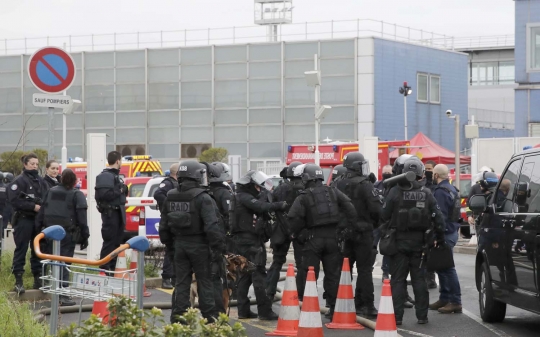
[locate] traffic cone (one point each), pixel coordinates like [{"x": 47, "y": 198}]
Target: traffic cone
[
  {"x": 310, "y": 324},
  {"x": 100, "y": 308},
  {"x": 344, "y": 311},
  {"x": 121, "y": 265},
  {"x": 289, "y": 313},
  {"x": 386, "y": 320},
  {"x": 133, "y": 266}
]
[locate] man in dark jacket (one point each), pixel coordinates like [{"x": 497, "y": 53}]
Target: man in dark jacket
[{"x": 446, "y": 196}]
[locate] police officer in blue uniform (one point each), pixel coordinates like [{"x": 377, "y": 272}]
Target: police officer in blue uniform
[
  {"x": 26, "y": 195},
  {"x": 110, "y": 196},
  {"x": 190, "y": 227},
  {"x": 318, "y": 210},
  {"x": 167, "y": 184},
  {"x": 411, "y": 211}
]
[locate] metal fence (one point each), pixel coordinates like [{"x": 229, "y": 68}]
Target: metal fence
[
  {"x": 493, "y": 118},
  {"x": 229, "y": 35}
]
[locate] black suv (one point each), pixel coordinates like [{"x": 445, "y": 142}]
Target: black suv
[{"x": 508, "y": 254}]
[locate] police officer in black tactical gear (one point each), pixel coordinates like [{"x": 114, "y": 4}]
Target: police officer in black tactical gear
[
  {"x": 8, "y": 209},
  {"x": 66, "y": 206},
  {"x": 250, "y": 232},
  {"x": 168, "y": 276},
  {"x": 365, "y": 198},
  {"x": 111, "y": 195},
  {"x": 26, "y": 196},
  {"x": 410, "y": 212},
  {"x": 281, "y": 237},
  {"x": 317, "y": 209},
  {"x": 337, "y": 173},
  {"x": 221, "y": 192},
  {"x": 190, "y": 227}
]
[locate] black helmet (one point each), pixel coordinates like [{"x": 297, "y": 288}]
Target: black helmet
[
  {"x": 355, "y": 161},
  {"x": 290, "y": 168},
  {"x": 191, "y": 169},
  {"x": 8, "y": 177},
  {"x": 257, "y": 178},
  {"x": 338, "y": 171},
  {"x": 489, "y": 180},
  {"x": 398, "y": 164},
  {"x": 414, "y": 164},
  {"x": 309, "y": 172},
  {"x": 217, "y": 175}
]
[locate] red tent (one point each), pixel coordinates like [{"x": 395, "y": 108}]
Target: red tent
[{"x": 426, "y": 149}]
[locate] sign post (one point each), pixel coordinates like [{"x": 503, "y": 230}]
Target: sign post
[{"x": 51, "y": 70}]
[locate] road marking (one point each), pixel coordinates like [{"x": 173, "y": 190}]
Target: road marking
[
  {"x": 168, "y": 291},
  {"x": 488, "y": 326},
  {"x": 414, "y": 333}
]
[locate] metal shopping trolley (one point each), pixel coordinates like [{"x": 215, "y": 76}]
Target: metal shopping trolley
[{"x": 60, "y": 279}]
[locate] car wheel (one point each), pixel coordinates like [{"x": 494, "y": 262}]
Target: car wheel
[{"x": 491, "y": 310}]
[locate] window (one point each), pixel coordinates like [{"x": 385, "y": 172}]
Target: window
[
  {"x": 511, "y": 174},
  {"x": 429, "y": 88},
  {"x": 422, "y": 93},
  {"x": 530, "y": 173},
  {"x": 434, "y": 89},
  {"x": 533, "y": 47},
  {"x": 492, "y": 73}
]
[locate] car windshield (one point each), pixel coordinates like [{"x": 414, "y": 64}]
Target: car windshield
[
  {"x": 464, "y": 187},
  {"x": 153, "y": 189},
  {"x": 136, "y": 190}
]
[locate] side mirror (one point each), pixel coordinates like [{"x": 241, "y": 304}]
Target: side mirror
[
  {"x": 478, "y": 203},
  {"x": 522, "y": 193}
]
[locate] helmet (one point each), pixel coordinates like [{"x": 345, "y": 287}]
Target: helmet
[
  {"x": 191, "y": 169},
  {"x": 489, "y": 180},
  {"x": 398, "y": 164},
  {"x": 8, "y": 177},
  {"x": 218, "y": 171},
  {"x": 415, "y": 165},
  {"x": 167, "y": 173},
  {"x": 355, "y": 161},
  {"x": 309, "y": 172},
  {"x": 290, "y": 169},
  {"x": 485, "y": 169},
  {"x": 226, "y": 175},
  {"x": 257, "y": 178},
  {"x": 338, "y": 171}
]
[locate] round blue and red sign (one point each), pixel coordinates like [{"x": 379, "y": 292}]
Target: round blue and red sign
[{"x": 51, "y": 70}]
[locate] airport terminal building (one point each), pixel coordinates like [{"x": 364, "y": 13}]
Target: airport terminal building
[{"x": 250, "y": 98}]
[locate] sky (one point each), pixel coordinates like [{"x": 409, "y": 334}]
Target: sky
[{"x": 37, "y": 18}]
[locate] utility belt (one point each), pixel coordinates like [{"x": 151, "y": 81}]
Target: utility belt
[
  {"x": 107, "y": 208},
  {"x": 198, "y": 238},
  {"x": 327, "y": 231}
]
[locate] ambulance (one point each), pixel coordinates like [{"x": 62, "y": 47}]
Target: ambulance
[{"x": 332, "y": 154}]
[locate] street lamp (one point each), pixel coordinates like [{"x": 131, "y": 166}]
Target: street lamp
[
  {"x": 68, "y": 110},
  {"x": 456, "y": 132},
  {"x": 405, "y": 90},
  {"x": 313, "y": 79}
]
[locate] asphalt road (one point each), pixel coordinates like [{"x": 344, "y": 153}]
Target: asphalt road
[{"x": 517, "y": 323}]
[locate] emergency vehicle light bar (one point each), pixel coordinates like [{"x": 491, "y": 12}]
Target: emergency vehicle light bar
[{"x": 143, "y": 157}]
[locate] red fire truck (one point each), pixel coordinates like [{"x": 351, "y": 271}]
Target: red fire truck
[{"x": 332, "y": 154}]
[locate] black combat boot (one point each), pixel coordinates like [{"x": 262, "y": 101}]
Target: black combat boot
[
  {"x": 19, "y": 287},
  {"x": 37, "y": 281},
  {"x": 166, "y": 284}
]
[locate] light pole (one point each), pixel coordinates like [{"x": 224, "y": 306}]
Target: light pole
[
  {"x": 456, "y": 135},
  {"x": 75, "y": 104},
  {"x": 405, "y": 90},
  {"x": 313, "y": 79}
]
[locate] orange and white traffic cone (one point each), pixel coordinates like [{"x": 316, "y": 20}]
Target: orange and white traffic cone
[
  {"x": 386, "y": 320},
  {"x": 100, "y": 308},
  {"x": 133, "y": 266},
  {"x": 310, "y": 324},
  {"x": 121, "y": 266},
  {"x": 344, "y": 311},
  {"x": 289, "y": 313}
]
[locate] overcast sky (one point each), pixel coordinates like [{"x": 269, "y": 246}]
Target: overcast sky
[{"x": 36, "y": 18}]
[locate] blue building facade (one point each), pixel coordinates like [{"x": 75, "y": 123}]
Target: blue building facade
[{"x": 527, "y": 54}]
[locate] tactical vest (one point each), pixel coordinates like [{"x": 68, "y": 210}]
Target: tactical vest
[
  {"x": 242, "y": 216},
  {"x": 107, "y": 179},
  {"x": 183, "y": 215},
  {"x": 323, "y": 208},
  {"x": 455, "y": 214},
  {"x": 60, "y": 207},
  {"x": 412, "y": 213},
  {"x": 352, "y": 190},
  {"x": 172, "y": 181},
  {"x": 3, "y": 194}
]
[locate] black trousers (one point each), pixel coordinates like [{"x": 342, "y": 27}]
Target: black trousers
[
  {"x": 217, "y": 282},
  {"x": 23, "y": 235},
  {"x": 363, "y": 255},
  {"x": 323, "y": 247},
  {"x": 112, "y": 232},
  {"x": 249, "y": 248},
  {"x": 279, "y": 253},
  {"x": 402, "y": 264},
  {"x": 193, "y": 257},
  {"x": 168, "y": 270}
]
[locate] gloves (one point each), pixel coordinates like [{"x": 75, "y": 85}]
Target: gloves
[
  {"x": 372, "y": 178},
  {"x": 84, "y": 245},
  {"x": 279, "y": 206}
]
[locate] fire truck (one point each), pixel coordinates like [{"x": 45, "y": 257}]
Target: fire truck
[
  {"x": 132, "y": 166},
  {"x": 332, "y": 154}
]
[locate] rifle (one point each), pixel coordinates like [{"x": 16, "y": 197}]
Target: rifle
[
  {"x": 36, "y": 200},
  {"x": 282, "y": 220}
]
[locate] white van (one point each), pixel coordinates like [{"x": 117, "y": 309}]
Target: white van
[{"x": 151, "y": 212}]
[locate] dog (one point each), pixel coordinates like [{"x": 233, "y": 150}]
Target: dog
[{"x": 237, "y": 265}]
